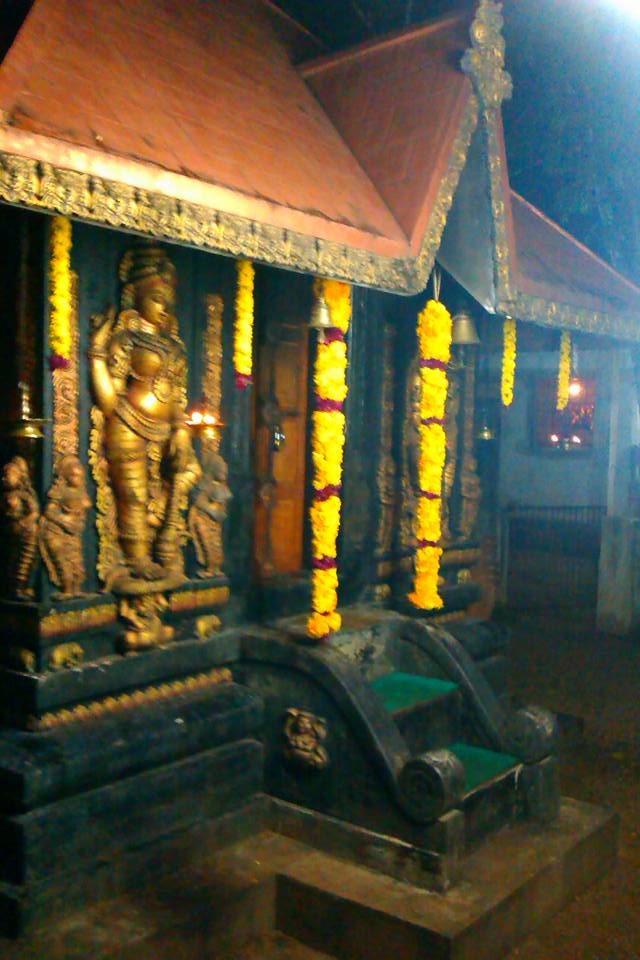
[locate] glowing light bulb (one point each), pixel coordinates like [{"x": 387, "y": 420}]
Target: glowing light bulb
[
  {"x": 554, "y": 438},
  {"x": 196, "y": 417},
  {"x": 575, "y": 439},
  {"x": 575, "y": 388}
]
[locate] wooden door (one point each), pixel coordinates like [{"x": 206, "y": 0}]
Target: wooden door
[{"x": 281, "y": 429}]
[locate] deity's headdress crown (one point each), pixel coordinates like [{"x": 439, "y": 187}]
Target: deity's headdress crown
[{"x": 146, "y": 265}]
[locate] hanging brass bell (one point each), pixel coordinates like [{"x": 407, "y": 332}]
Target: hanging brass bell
[
  {"x": 320, "y": 317},
  {"x": 464, "y": 332}
]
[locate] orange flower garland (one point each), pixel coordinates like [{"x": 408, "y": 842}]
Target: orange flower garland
[
  {"x": 60, "y": 293},
  {"x": 243, "y": 334},
  {"x": 564, "y": 371},
  {"x": 434, "y": 337},
  {"x": 508, "y": 360},
  {"x": 327, "y": 449}
]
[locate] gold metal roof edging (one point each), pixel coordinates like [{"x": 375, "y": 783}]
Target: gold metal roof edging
[
  {"x": 423, "y": 263},
  {"x": 42, "y": 185},
  {"x": 549, "y": 313}
]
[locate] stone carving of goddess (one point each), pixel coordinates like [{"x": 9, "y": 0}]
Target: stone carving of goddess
[
  {"x": 62, "y": 525},
  {"x": 207, "y": 514},
  {"x": 20, "y": 513}
]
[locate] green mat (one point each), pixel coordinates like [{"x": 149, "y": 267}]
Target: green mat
[
  {"x": 401, "y": 690},
  {"x": 481, "y": 765}
]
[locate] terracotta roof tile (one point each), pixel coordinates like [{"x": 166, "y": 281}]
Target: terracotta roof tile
[
  {"x": 398, "y": 103},
  {"x": 207, "y": 89},
  {"x": 552, "y": 264}
]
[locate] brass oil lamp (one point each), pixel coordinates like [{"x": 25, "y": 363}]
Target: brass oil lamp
[
  {"x": 204, "y": 422},
  {"x": 26, "y": 426}
]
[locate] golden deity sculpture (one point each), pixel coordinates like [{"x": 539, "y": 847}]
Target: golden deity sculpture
[
  {"x": 62, "y": 525},
  {"x": 144, "y": 461},
  {"x": 208, "y": 512},
  {"x": 20, "y": 513}
]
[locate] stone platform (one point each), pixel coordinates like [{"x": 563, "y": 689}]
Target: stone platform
[{"x": 269, "y": 896}]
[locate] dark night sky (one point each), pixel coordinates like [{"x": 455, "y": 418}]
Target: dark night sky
[{"x": 573, "y": 126}]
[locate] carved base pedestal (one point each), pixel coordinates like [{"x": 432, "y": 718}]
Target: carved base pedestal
[
  {"x": 92, "y": 806},
  {"x": 141, "y": 604}
]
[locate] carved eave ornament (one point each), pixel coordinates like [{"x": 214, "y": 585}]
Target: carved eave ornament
[{"x": 484, "y": 64}]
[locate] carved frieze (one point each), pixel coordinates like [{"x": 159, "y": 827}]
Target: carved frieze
[
  {"x": 43, "y": 185},
  {"x": 304, "y": 736},
  {"x": 386, "y": 475},
  {"x": 62, "y": 526},
  {"x": 20, "y": 516}
]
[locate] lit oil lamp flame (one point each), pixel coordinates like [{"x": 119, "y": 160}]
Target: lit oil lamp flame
[{"x": 204, "y": 422}]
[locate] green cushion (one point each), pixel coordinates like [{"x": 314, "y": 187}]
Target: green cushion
[
  {"x": 481, "y": 765},
  {"x": 401, "y": 690}
]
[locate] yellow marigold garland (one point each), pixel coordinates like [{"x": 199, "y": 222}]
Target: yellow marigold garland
[
  {"x": 434, "y": 337},
  {"x": 564, "y": 371},
  {"x": 509, "y": 336},
  {"x": 60, "y": 293},
  {"x": 330, "y": 383},
  {"x": 243, "y": 336}
]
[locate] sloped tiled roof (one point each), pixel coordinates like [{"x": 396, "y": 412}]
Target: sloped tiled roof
[
  {"x": 202, "y": 103},
  {"x": 514, "y": 260},
  {"x": 190, "y": 120},
  {"x": 206, "y": 93},
  {"x": 552, "y": 264},
  {"x": 398, "y": 102}
]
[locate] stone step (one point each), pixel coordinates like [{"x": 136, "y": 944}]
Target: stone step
[
  {"x": 271, "y": 898},
  {"x": 279, "y": 947},
  {"x": 510, "y": 884},
  {"x": 491, "y": 798},
  {"x": 426, "y": 710}
]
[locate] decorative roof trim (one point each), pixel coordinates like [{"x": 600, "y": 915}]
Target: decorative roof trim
[
  {"x": 548, "y": 313},
  {"x": 41, "y": 185}
]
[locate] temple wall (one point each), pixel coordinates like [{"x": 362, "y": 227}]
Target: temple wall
[
  {"x": 618, "y": 608},
  {"x": 530, "y": 477}
]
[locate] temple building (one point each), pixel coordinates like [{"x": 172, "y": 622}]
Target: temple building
[{"x": 250, "y": 516}]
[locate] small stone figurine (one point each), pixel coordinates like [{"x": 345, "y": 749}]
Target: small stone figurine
[
  {"x": 62, "y": 525},
  {"x": 207, "y": 513},
  {"x": 20, "y": 513}
]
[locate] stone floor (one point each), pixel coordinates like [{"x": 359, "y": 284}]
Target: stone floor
[{"x": 561, "y": 661}]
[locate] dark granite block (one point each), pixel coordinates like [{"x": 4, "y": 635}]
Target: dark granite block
[
  {"x": 31, "y": 695},
  {"x": 40, "y": 768},
  {"x": 100, "y": 824}
]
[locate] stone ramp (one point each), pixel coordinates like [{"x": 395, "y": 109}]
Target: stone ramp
[{"x": 274, "y": 898}]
